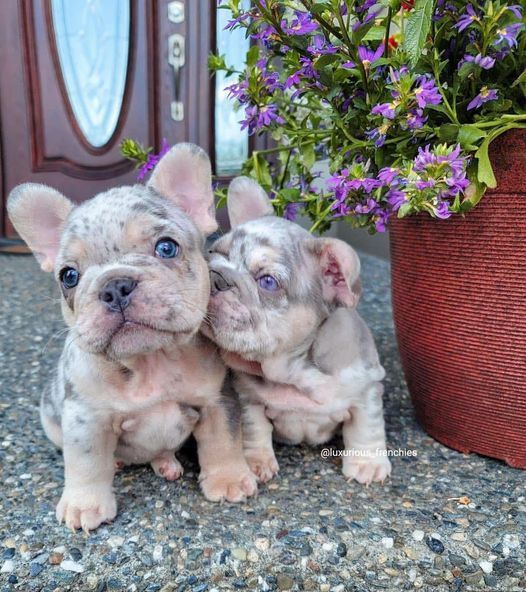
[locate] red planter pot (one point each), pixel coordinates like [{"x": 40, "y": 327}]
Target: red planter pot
[{"x": 459, "y": 304}]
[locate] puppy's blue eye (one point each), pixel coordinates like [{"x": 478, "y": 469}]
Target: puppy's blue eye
[
  {"x": 267, "y": 282},
  {"x": 69, "y": 277},
  {"x": 166, "y": 248}
]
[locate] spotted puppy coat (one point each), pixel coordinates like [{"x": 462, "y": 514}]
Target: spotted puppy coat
[
  {"x": 282, "y": 309},
  {"x": 136, "y": 377}
]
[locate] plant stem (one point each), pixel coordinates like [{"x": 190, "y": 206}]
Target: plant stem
[{"x": 321, "y": 218}]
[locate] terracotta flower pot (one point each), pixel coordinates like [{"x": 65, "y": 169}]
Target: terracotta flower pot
[{"x": 459, "y": 302}]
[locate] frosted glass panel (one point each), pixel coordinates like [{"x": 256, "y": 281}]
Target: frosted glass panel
[
  {"x": 93, "y": 38},
  {"x": 231, "y": 143}
]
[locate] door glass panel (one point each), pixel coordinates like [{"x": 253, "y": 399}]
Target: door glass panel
[
  {"x": 231, "y": 144},
  {"x": 93, "y": 38}
]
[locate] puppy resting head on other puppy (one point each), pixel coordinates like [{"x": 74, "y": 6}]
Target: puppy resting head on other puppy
[
  {"x": 273, "y": 283},
  {"x": 128, "y": 261}
]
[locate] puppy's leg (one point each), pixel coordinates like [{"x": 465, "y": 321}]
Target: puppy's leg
[
  {"x": 257, "y": 442},
  {"x": 225, "y": 474},
  {"x": 167, "y": 466},
  {"x": 89, "y": 445},
  {"x": 364, "y": 438},
  {"x": 301, "y": 373}
]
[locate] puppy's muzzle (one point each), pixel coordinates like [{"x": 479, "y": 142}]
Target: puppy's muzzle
[
  {"x": 218, "y": 283},
  {"x": 116, "y": 294}
]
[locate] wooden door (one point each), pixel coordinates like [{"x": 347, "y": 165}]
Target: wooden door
[{"x": 76, "y": 77}]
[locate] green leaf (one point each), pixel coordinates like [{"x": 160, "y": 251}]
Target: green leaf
[
  {"x": 521, "y": 78},
  {"x": 374, "y": 34},
  {"x": 417, "y": 29},
  {"x": 405, "y": 209},
  {"x": 468, "y": 136},
  {"x": 252, "y": 56},
  {"x": 308, "y": 156},
  {"x": 292, "y": 194},
  {"x": 448, "y": 132},
  {"x": 485, "y": 170}
]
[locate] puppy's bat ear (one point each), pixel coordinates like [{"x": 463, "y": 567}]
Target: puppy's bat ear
[
  {"x": 38, "y": 214},
  {"x": 246, "y": 201},
  {"x": 339, "y": 268},
  {"x": 184, "y": 176}
]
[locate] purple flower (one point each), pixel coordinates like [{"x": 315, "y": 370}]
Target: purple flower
[
  {"x": 291, "y": 211},
  {"x": 349, "y": 64},
  {"x": 416, "y": 119},
  {"x": 441, "y": 166},
  {"x": 395, "y": 75},
  {"x": 421, "y": 185},
  {"x": 265, "y": 34},
  {"x": 368, "y": 56},
  {"x": 377, "y": 135},
  {"x": 152, "y": 160},
  {"x": 467, "y": 19},
  {"x": 387, "y": 176},
  {"x": 302, "y": 24},
  {"x": 426, "y": 93},
  {"x": 485, "y": 62},
  {"x": 442, "y": 210},
  {"x": 340, "y": 208},
  {"x": 259, "y": 117},
  {"x": 484, "y": 96},
  {"x": 239, "y": 91},
  {"x": 381, "y": 220},
  {"x": 237, "y": 21},
  {"x": 365, "y": 5},
  {"x": 320, "y": 46},
  {"x": 371, "y": 14},
  {"x": 516, "y": 9},
  {"x": 508, "y": 34},
  {"x": 367, "y": 207},
  {"x": 386, "y": 110},
  {"x": 396, "y": 198}
]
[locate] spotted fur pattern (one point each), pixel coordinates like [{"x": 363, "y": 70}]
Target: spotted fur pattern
[{"x": 307, "y": 366}]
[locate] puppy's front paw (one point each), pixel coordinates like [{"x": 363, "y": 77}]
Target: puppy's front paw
[
  {"x": 366, "y": 470},
  {"x": 233, "y": 484},
  {"x": 167, "y": 466},
  {"x": 86, "y": 508},
  {"x": 262, "y": 463}
]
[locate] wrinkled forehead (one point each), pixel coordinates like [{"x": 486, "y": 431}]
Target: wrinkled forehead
[
  {"x": 267, "y": 240},
  {"x": 124, "y": 220}
]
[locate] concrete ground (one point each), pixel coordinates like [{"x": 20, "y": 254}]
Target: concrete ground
[{"x": 444, "y": 521}]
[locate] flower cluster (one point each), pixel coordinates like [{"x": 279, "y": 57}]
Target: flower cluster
[{"x": 402, "y": 102}]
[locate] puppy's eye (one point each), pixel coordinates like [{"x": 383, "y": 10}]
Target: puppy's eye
[
  {"x": 69, "y": 277},
  {"x": 166, "y": 248},
  {"x": 268, "y": 283}
]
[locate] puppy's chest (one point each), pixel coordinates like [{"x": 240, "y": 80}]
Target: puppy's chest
[{"x": 156, "y": 378}]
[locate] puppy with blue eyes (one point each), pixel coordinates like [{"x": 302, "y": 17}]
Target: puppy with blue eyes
[
  {"x": 136, "y": 377},
  {"x": 283, "y": 311}
]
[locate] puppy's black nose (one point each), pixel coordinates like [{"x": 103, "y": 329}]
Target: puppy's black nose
[
  {"x": 116, "y": 293},
  {"x": 218, "y": 283}
]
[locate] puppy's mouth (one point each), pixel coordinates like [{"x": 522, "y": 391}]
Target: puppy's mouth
[{"x": 131, "y": 336}]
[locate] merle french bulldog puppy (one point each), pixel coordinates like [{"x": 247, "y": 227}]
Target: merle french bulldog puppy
[
  {"x": 135, "y": 377},
  {"x": 282, "y": 309}
]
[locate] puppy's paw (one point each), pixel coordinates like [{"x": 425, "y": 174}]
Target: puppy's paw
[
  {"x": 262, "y": 463},
  {"x": 366, "y": 470},
  {"x": 86, "y": 508},
  {"x": 167, "y": 466},
  {"x": 233, "y": 484}
]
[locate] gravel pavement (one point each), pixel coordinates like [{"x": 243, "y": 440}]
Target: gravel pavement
[{"x": 444, "y": 521}]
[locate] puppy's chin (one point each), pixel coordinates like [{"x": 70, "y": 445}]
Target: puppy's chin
[
  {"x": 130, "y": 339},
  {"x": 133, "y": 339},
  {"x": 232, "y": 338}
]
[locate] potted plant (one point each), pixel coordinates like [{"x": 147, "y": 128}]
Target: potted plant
[{"x": 420, "y": 109}]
